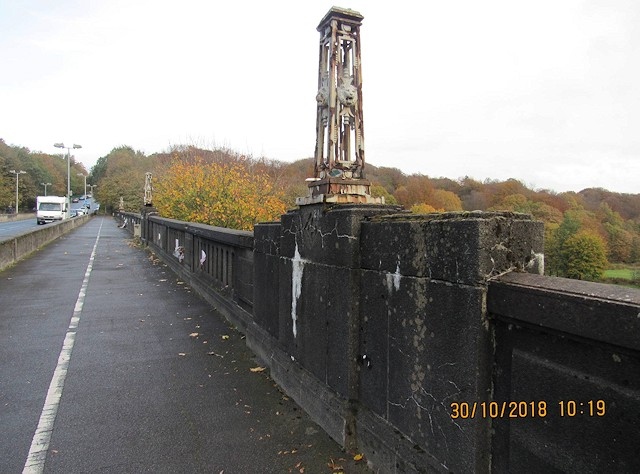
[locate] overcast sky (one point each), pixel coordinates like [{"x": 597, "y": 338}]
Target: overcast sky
[{"x": 547, "y": 92}]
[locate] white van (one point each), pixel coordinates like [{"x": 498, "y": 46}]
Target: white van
[{"x": 51, "y": 209}]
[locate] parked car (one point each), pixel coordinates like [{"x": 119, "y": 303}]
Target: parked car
[{"x": 75, "y": 200}]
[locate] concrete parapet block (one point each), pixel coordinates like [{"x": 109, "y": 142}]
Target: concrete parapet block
[
  {"x": 466, "y": 247},
  {"x": 328, "y": 235},
  {"x": 423, "y": 345},
  {"x": 267, "y": 238},
  {"x": 425, "y": 338},
  {"x": 311, "y": 262}
]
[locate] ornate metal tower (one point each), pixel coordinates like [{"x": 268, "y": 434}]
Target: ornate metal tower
[
  {"x": 339, "y": 155},
  {"x": 148, "y": 189}
]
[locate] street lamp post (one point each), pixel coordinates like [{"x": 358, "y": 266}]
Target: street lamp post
[
  {"x": 85, "y": 186},
  {"x": 45, "y": 187},
  {"x": 17, "y": 173},
  {"x": 91, "y": 186},
  {"x": 61, "y": 145}
]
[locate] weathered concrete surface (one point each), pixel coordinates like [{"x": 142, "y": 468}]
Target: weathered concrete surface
[
  {"x": 311, "y": 262},
  {"x": 463, "y": 248},
  {"x": 388, "y": 309},
  {"x": 574, "y": 346},
  {"x": 14, "y": 217},
  {"x": 425, "y": 337}
]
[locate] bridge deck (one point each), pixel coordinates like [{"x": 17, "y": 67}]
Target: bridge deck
[{"x": 151, "y": 378}]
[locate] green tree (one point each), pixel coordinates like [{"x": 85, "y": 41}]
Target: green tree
[
  {"x": 378, "y": 190},
  {"x": 586, "y": 256},
  {"x": 555, "y": 255},
  {"x": 121, "y": 173}
]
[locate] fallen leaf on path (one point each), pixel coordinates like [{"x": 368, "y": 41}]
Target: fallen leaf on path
[
  {"x": 258, "y": 369},
  {"x": 336, "y": 468},
  {"x": 358, "y": 457},
  {"x": 194, "y": 334},
  {"x": 182, "y": 354},
  {"x": 225, "y": 337}
]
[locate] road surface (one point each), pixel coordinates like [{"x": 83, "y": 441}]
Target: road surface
[{"x": 11, "y": 229}]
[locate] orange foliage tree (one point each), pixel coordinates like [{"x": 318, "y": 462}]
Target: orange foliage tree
[
  {"x": 446, "y": 200},
  {"x": 424, "y": 208},
  {"x": 226, "y": 195}
]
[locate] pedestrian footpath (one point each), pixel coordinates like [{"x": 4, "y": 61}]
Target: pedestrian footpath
[{"x": 109, "y": 363}]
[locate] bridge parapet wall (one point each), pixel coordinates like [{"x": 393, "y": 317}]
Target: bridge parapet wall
[
  {"x": 376, "y": 321},
  {"x": 216, "y": 262},
  {"x": 386, "y": 312},
  {"x": 17, "y": 248},
  {"x": 572, "y": 348}
]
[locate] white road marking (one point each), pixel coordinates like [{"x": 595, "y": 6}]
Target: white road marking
[{"x": 40, "y": 443}]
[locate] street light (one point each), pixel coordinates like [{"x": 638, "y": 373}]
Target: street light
[
  {"x": 17, "y": 173},
  {"x": 45, "y": 187},
  {"x": 61, "y": 145},
  {"x": 85, "y": 186}
]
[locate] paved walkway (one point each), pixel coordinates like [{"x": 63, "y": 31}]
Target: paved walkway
[{"x": 136, "y": 373}]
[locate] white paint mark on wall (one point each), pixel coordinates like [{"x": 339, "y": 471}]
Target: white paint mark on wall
[
  {"x": 296, "y": 286},
  {"x": 203, "y": 257},
  {"x": 536, "y": 264},
  {"x": 179, "y": 251},
  {"x": 393, "y": 279}
]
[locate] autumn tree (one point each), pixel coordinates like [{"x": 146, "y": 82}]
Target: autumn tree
[
  {"x": 224, "y": 195},
  {"x": 473, "y": 195},
  {"x": 424, "y": 208},
  {"x": 539, "y": 210},
  {"x": 390, "y": 178},
  {"x": 634, "y": 254},
  {"x": 499, "y": 190},
  {"x": 40, "y": 168},
  {"x": 418, "y": 189},
  {"x": 619, "y": 238},
  {"x": 446, "y": 200}
]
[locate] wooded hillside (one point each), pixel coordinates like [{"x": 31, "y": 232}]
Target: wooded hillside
[
  {"x": 40, "y": 168},
  {"x": 585, "y": 231}
]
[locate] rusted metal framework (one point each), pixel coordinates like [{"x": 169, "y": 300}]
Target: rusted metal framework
[
  {"x": 339, "y": 154},
  {"x": 148, "y": 190},
  {"x": 339, "y": 126}
]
